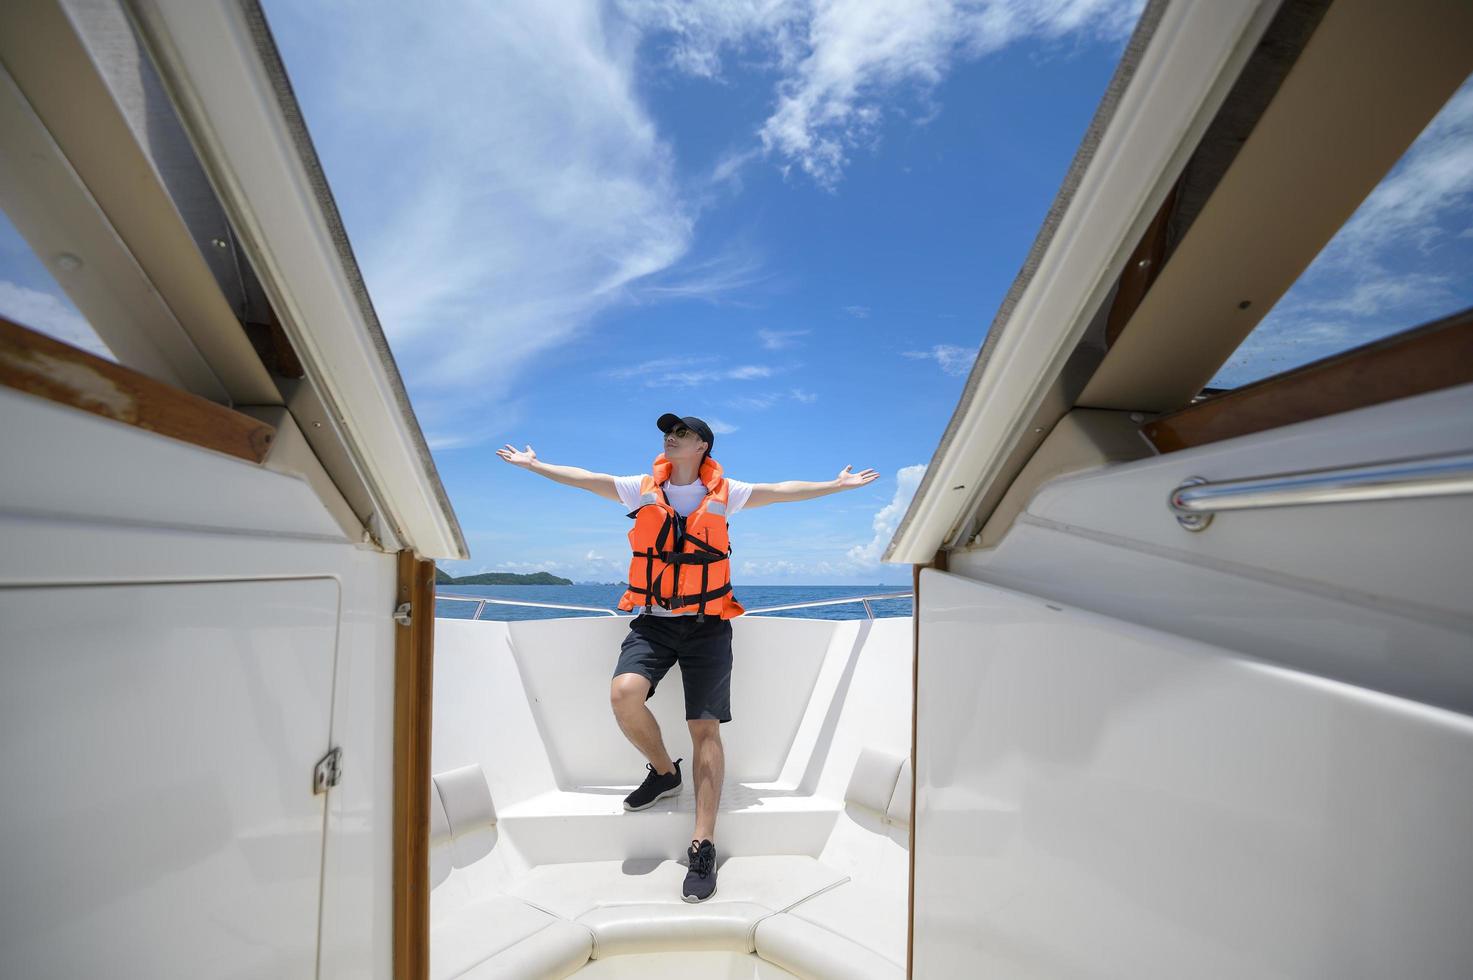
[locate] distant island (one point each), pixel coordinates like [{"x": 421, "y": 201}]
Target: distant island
[{"x": 501, "y": 578}]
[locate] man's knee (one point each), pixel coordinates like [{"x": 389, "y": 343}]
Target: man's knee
[
  {"x": 628, "y": 691},
  {"x": 705, "y": 730}
]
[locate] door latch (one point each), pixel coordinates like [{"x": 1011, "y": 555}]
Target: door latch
[{"x": 328, "y": 771}]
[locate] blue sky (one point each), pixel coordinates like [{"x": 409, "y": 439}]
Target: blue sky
[{"x": 792, "y": 218}]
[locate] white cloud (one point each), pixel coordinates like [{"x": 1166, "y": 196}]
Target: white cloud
[
  {"x": 839, "y": 60},
  {"x": 728, "y": 169},
  {"x": 660, "y": 364},
  {"x": 787, "y": 568},
  {"x": 690, "y": 379},
  {"x": 778, "y": 339},
  {"x": 699, "y": 30},
  {"x": 1397, "y": 263},
  {"x": 711, "y": 280},
  {"x": 1433, "y": 180},
  {"x": 755, "y": 403},
  {"x": 1372, "y": 296},
  {"x": 859, "y": 561},
  {"x": 498, "y": 175},
  {"x": 858, "y": 312},
  {"x": 887, "y": 518},
  {"x": 766, "y": 400},
  {"x": 687, "y": 372},
  {"x": 954, "y": 360},
  {"x": 50, "y": 314},
  {"x": 719, "y": 427}
]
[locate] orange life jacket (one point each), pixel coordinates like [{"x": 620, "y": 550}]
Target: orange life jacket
[{"x": 681, "y": 564}]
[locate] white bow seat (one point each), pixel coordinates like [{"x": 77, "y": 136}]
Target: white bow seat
[
  {"x": 503, "y": 937},
  {"x": 772, "y": 881},
  {"x": 814, "y": 953},
  {"x": 856, "y": 929},
  {"x": 793, "y": 910},
  {"x": 663, "y": 927}
]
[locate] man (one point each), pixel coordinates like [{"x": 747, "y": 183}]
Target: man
[{"x": 680, "y": 575}]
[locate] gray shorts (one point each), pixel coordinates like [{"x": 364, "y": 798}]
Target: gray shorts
[{"x": 703, "y": 650}]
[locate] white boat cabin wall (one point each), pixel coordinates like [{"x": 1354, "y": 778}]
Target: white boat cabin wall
[{"x": 1186, "y": 691}]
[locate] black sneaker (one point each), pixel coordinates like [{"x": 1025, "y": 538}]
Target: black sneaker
[
  {"x": 655, "y": 787},
  {"x": 700, "y": 880}
]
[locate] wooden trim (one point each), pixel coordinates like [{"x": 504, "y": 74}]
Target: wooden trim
[
  {"x": 939, "y": 563},
  {"x": 1437, "y": 355},
  {"x": 39, "y": 365},
  {"x": 413, "y": 684},
  {"x": 1141, "y": 269},
  {"x": 275, "y": 348}
]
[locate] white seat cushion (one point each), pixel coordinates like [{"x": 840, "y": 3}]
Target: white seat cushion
[
  {"x": 898, "y": 811},
  {"x": 815, "y": 953},
  {"x": 439, "y": 823},
  {"x": 771, "y": 881},
  {"x": 620, "y": 929},
  {"x": 873, "y": 781},
  {"x": 505, "y": 937},
  {"x": 558, "y": 951},
  {"x": 466, "y": 797},
  {"x": 863, "y": 914},
  {"x": 440, "y": 864}
]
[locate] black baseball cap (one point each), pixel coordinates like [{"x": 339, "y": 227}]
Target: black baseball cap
[{"x": 670, "y": 420}]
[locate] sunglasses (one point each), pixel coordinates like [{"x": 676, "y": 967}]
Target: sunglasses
[{"x": 680, "y": 432}]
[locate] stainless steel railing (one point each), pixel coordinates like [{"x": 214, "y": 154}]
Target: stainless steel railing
[
  {"x": 1196, "y": 500},
  {"x": 481, "y": 602},
  {"x": 866, "y": 599}
]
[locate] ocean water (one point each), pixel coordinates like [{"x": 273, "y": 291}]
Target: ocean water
[{"x": 752, "y": 597}]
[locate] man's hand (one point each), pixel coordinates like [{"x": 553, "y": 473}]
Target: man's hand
[
  {"x": 517, "y": 457},
  {"x": 574, "y": 476},
  {"x": 794, "y": 490},
  {"x": 846, "y": 480}
]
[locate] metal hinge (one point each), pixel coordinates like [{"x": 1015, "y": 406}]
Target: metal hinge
[
  {"x": 404, "y": 614},
  {"x": 328, "y": 771}
]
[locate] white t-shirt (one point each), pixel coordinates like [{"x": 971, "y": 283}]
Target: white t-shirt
[{"x": 685, "y": 499}]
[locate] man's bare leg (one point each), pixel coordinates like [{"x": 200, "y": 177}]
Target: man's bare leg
[
  {"x": 627, "y": 694},
  {"x": 710, "y": 771}
]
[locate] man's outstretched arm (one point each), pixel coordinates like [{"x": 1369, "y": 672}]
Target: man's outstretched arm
[
  {"x": 791, "y": 490},
  {"x": 574, "y": 476}
]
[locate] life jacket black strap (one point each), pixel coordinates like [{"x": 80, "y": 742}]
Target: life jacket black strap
[
  {"x": 703, "y": 546},
  {"x": 683, "y": 600},
  {"x": 701, "y": 611},
  {"x": 686, "y": 558}
]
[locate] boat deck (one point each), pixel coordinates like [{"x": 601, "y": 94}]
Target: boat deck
[{"x": 538, "y": 872}]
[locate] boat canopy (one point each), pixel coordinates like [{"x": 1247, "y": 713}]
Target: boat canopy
[
  {"x": 1229, "y": 148},
  {"x": 169, "y": 151}
]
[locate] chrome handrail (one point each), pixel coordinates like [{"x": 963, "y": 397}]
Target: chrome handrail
[
  {"x": 1196, "y": 500},
  {"x": 482, "y": 600},
  {"x": 869, "y": 612}
]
